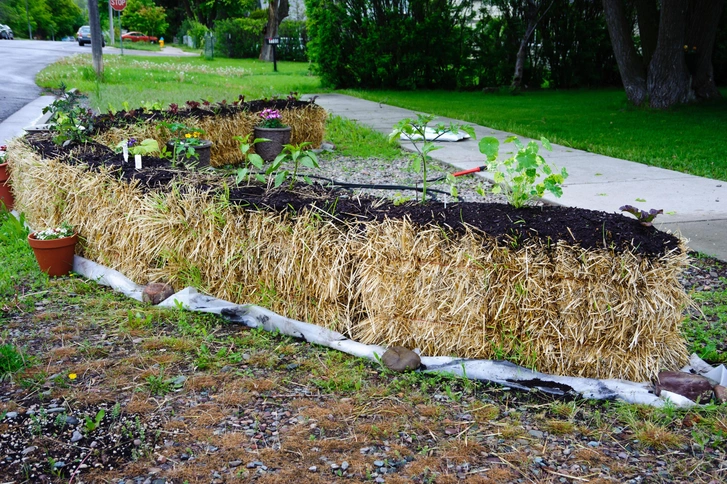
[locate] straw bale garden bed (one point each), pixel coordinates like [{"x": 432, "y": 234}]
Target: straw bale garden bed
[{"x": 562, "y": 290}]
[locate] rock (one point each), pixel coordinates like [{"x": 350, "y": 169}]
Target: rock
[
  {"x": 345, "y": 465},
  {"x": 379, "y": 463},
  {"x": 312, "y": 468},
  {"x": 720, "y": 393},
  {"x": 156, "y": 292},
  {"x": 400, "y": 359},
  {"x": 694, "y": 387},
  {"x": 235, "y": 463},
  {"x": 536, "y": 433},
  {"x": 11, "y": 415},
  {"x": 76, "y": 436}
]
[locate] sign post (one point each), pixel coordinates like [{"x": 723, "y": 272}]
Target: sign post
[
  {"x": 117, "y": 5},
  {"x": 274, "y": 41}
]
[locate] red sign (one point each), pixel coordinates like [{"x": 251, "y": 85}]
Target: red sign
[{"x": 118, "y": 5}]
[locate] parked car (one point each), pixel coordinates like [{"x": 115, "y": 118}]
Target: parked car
[
  {"x": 139, "y": 37},
  {"x": 6, "y": 32},
  {"x": 84, "y": 36}
]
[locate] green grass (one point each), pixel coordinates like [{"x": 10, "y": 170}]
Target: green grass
[
  {"x": 133, "y": 79},
  {"x": 352, "y": 139},
  {"x": 706, "y": 333},
  {"x": 689, "y": 139},
  {"x": 19, "y": 271},
  {"x": 139, "y": 46}
]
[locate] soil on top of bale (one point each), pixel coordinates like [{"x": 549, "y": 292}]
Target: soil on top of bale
[
  {"x": 193, "y": 109},
  {"x": 587, "y": 228}
]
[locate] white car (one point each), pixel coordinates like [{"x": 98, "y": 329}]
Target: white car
[{"x": 6, "y": 32}]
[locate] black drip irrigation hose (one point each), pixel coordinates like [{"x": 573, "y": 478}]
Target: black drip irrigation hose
[{"x": 371, "y": 186}]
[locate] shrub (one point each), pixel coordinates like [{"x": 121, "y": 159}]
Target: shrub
[
  {"x": 293, "y": 41},
  {"x": 240, "y": 37},
  {"x": 404, "y": 44}
]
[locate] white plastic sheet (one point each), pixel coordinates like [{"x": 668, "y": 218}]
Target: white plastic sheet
[{"x": 501, "y": 372}]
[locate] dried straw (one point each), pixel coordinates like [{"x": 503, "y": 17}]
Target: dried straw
[{"x": 560, "y": 309}]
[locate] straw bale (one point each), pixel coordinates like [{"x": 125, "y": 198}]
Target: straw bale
[
  {"x": 307, "y": 124},
  {"x": 564, "y": 310},
  {"x": 560, "y": 308}
]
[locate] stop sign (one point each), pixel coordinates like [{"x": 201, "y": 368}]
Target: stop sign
[{"x": 118, "y": 4}]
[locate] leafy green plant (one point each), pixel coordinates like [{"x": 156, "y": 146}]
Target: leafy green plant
[
  {"x": 294, "y": 154},
  {"x": 144, "y": 147},
  {"x": 93, "y": 424},
  {"x": 250, "y": 159},
  {"x": 645, "y": 218},
  {"x": 518, "y": 177},
  {"x": 415, "y": 130},
  {"x": 69, "y": 120}
]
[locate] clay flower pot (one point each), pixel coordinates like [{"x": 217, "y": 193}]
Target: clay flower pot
[
  {"x": 6, "y": 196},
  {"x": 55, "y": 257},
  {"x": 278, "y": 137}
]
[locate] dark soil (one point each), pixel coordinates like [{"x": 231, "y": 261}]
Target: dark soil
[{"x": 550, "y": 224}]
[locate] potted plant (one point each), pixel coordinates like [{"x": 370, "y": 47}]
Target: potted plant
[
  {"x": 273, "y": 132},
  {"x": 187, "y": 144},
  {"x": 6, "y": 196},
  {"x": 54, "y": 249}
]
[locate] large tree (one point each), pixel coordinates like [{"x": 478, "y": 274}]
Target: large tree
[
  {"x": 677, "y": 38},
  {"x": 277, "y": 11}
]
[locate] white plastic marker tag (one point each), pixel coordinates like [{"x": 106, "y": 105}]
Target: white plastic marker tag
[
  {"x": 125, "y": 150},
  {"x": 137, "y": 159}
]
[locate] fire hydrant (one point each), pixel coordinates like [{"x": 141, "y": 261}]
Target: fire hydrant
[{"x": 161, "y": 43}]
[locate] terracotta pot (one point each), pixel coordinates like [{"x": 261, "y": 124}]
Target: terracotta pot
[
  {"x": 55, "y": 257},
  {"x": 203, "y": 151},
  {"x": 6, "y": 196},
  {"x": 278, "y": 137}
]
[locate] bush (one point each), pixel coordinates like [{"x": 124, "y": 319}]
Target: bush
[
  {"x": 240, "y": 37},
  {"x": 194, "y": 29},
  {"x": 293, "y": 41},
  {"x": 402, "y": 44}
]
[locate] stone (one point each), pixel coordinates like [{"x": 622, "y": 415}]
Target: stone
[
  {"x": 694, "y": 387},
  {"x": 720, "y": 393},
  {"x": 156, "y": 292},
  {"x": 76, "y": 436},
  {"x": 398, "y": 358}
]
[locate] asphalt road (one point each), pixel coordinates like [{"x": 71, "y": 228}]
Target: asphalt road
[{"x": 20, "y": 62}]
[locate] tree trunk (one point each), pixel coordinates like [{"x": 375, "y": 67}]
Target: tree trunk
[
  {"x": 648, "y": 19},
  {"x": 277, "y": 11},
  {"x": 531, "y": 15},
  {"x": 702, "y": 23},
  {"x": 633, "y": 73},
  {"x": 668, "y": 81}
]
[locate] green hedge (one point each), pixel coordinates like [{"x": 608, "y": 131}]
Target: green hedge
[
  {"x": 403, "y": 44},
  {"x": 240, "y": 37}
]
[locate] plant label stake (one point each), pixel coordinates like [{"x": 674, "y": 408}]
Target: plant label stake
[
  {"x": 137, "y": 160},
  {"x": 125, "y": 150}
]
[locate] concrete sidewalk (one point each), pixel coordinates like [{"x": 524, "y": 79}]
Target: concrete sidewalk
[{"x": 693, "y": 206}]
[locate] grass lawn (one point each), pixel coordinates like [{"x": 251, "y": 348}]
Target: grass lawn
[
  {"x": 135, "y": 80},
  {"x": 690, "y": 139}
]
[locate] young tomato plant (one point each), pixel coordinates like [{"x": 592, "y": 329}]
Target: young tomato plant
[
  {"x": 251, "y": 159},
  {"x": 518, "y": 177},
  {"x": 415, "y": 130},
  {"x": 298, "y": 156}
]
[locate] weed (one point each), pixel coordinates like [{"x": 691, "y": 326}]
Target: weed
[{"x": 11, "y": 360}]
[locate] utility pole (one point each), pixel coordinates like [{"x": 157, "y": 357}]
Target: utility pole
[
  {"x": 96, "y": 38},
  {"x": 111, "y": 23},
  {"x": 27, "y": 17}
]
